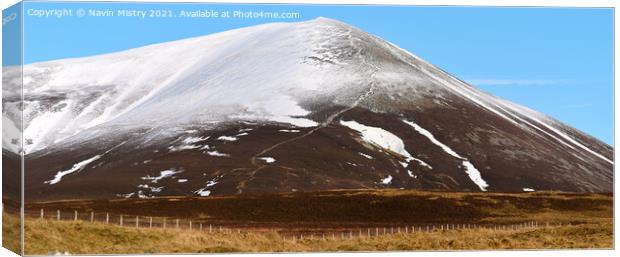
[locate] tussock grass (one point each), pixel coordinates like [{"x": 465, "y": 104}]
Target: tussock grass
[
  {"x": 11, "y": 236},
  {"x": 49, "y": 237}
]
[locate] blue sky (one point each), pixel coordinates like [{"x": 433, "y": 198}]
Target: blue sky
[{"x": 555, "y": 60}]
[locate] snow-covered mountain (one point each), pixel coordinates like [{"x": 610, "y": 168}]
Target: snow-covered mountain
[{"x": 277, "y": 107}]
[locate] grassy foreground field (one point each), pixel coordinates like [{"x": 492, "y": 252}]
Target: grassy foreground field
[{"x": 265, "y": 223}]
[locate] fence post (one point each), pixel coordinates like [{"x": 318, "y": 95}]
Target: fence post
[
  {"x": 210, "y": 228},
  {"x": 107, "y": 217},
  {"x": 164, "y": 222},
  {"x": 177, "y": 223},
  {"x": 376, "y": 231},
  {"x": 150, "y": 222},
  {"x": 121, "y": 221},
  {"x": 92, "y": 217},
  {"x": 137, "y": 221},
  {"x": 190, "y": 225},
  {"x": 200, "y": 226},
  {"x": 42, "y": 213},
  {"x": 391, "y": 230},
  {"x": 58, "y": 214},
  {"x": 368, "y": 232}
]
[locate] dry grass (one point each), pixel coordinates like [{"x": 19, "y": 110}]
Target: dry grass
[
  {"x": 11, "y": 236},
  {"x": 49, "y": 237}
]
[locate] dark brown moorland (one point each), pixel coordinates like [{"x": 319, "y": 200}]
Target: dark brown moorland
[{"x": 355, "y": 207}]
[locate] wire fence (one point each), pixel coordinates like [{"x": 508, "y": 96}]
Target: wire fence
[{"x": 146, "y": 222}]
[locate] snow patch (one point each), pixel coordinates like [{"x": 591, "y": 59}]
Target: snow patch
[
  {"x": 156, "y": 189},
  {"x": 187, "y": 144},
  {"x": 213, "y": 182},
  {"x": 527, "y": 189},
  {"x": 421, "y": 162},
  {"x": 411, "y": 174},
  {"x": 193, "y": 140},
  {"x": 182, "y": 180},
  {"x": 387, "y": 180},
  {"x": 179, "y": 148},
  {"x": 378, "y": 137},
  {"x": 202, "y": 192},
  {"x": 470, "y": 169},
  {"x": 217, "y": 154},
  {"x": 267, "y": 159},
  {"x": 383, "y": 139},
  {"x": 76, "y": 167},
  {"x": 289, "y": 130},
  {"x": 210, "y": 183},
  {"x": 129, "y": 195},
  {"x": 404, "y": 164},
  {"x": 227, "y": 138},
  {"x": 162, "y": 175},
  {"x": 366, "y": 156}
]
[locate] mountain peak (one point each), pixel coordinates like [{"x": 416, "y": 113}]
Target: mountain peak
[{"x": 307, "y": 103}]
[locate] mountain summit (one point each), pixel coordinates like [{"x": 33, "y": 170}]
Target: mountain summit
[{"x": 306, "y": 106}]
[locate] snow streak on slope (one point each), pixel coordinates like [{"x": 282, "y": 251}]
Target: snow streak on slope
[
  {"x": 472, "y": 172},
  {"x": 162, "y": 175},
  {"x": 80, "y": 165},
  {"x": 76, "y": 167}
]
